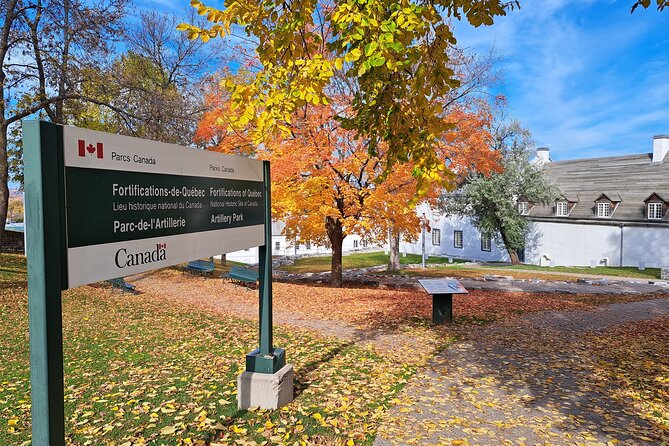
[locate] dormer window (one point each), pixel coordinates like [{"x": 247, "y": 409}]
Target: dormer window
[
  {"x": 607, "y": 204},
  {"x": 655, "y": 211},
  {"x": 604, "y": 209},
  {"x": 561, "y": 209},
  {"x": 523, "y": 207},
  {"x": 565, "y": 204},
  {"x": 656, "y": 207}
]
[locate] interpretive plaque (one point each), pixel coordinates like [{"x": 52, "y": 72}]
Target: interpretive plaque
[
  {"x": 442, "y": 286},
  {"x": 442, "y": 291}
]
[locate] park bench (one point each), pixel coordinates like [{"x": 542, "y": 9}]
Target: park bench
[
  {"x": 121, "y": 284},
  {"x": 240, "y": 274},
  {"x": 202, "y": 267}
]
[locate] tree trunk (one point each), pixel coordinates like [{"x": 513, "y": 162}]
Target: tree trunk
[
  {"x": 4, "y": 182},
  {"x": 513, "y": 253},
  {"x": 336, "y": 236},
  {"x": 223, "y": 260},
  {"x": 64, "y": 62},
  {"x": 394, "y": 249},
  {"x": 8, "y": 19}
]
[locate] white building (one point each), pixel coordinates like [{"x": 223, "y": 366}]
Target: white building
[
  {"x": 453, "y": 237},
  {"x": 282, "y": 246},
  {"x": 613, "y": 211}
]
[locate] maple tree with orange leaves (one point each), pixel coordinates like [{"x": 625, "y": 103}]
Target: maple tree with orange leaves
[{"x": 327, "y": 184}]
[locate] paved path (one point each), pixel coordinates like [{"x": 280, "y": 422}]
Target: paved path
[
  {"x": 531, "y": 381},
  {"x": 565, "y": 287}
]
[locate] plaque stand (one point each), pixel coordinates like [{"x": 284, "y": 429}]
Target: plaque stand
[
  {"x": 442, "y": 308},
  {"x": 442, "y": 291}
]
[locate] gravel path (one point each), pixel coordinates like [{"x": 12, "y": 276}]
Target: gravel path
[
  {"x": 533, "y": 380},
  {"x": 367, "y": 277}
]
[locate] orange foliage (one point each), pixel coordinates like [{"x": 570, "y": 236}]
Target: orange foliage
[
  {"x": 324, "y": 171},
  {"x": 214, "y": 131},
  {"x": 326, "y": 184}
]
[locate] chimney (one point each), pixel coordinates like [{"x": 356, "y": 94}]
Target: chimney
[
  {"x": 660, "y": 147},
  {"x": 543, "y": 156}
]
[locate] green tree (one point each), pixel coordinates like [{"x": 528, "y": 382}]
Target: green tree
[
  {"x": 395, "y": 54},
  {"x": 491, "y": 202}
]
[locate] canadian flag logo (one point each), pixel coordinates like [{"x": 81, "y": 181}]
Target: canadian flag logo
[
  {"x": 161, "y": 246},
  {"x": 90, "y": 149}
]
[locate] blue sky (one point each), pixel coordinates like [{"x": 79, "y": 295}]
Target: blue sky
[{"x": 586, "y": 77}]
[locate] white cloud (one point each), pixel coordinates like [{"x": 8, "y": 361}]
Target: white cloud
[{"x": 588, "y": 80}]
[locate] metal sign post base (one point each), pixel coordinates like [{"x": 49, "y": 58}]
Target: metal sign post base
[{"x": 272, "y": 363}]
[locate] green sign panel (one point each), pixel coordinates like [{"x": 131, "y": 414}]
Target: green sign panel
[{"x": 106, "y": 206}]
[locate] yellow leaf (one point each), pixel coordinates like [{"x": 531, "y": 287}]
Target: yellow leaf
[
  {"x": 238, "y": 430},
  {"x": 353, "y": 55},
  {"x": 168, "y": 430}
]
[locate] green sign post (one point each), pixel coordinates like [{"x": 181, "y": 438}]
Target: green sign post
[
  {"x": 266, "y": 359},
  {"x": 100, "y": 206},
  {"x": 45, "y": 240}
]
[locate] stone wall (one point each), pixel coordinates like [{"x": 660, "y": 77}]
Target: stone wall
[{"x": 13, "y": 242}]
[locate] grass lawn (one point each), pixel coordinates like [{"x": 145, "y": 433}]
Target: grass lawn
[
  {"x": 365, "y": 260},
  {"x": 139, "y": 371},
  {"x": 531, "y": 272},
  {"x": 12, "y": 268},
  {"x": 362, "y": 260}
]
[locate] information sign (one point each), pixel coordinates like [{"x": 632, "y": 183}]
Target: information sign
[
  {"x": 442, "y": 291},
  {"x": 101, "y": 206},
  {"x": 134, "y": 205}
]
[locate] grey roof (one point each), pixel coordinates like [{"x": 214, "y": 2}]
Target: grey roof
[{"x": 629, "y": 178}]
